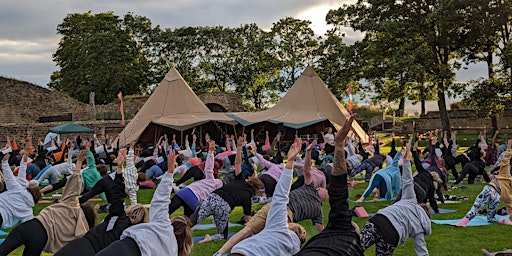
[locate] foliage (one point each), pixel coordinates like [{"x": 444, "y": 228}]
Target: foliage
[{"x": 96, "y": 54}]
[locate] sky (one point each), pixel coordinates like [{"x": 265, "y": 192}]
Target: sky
[{"x": 28, "y": 35}]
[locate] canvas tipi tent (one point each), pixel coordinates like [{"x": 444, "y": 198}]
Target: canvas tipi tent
[
  {"x": 172, "y": 104},
  {"x": 308, "y": 102}
]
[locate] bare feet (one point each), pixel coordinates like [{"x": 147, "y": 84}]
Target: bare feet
[{"x": 207, "y": 238}]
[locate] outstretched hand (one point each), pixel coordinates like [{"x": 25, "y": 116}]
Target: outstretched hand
[
  {"x": 294, "y": 149},
  {"x": 171, "y": 161},
  {"x": 342, "y": 133},
  {"x": 311, "y": 145}
]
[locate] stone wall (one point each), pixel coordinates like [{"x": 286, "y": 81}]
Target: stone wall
[
  {"x": 231, "y": 102},
  {"x": 39, "y": 130},
  {"x": 466, "y": 120}
]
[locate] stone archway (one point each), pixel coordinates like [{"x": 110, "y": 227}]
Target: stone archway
[{"x": 214, "y": 107}]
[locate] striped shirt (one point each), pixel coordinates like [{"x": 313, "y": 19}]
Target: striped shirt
[
  {"x": 305, "y": 203},
  {"x": 130, "y": 172}
]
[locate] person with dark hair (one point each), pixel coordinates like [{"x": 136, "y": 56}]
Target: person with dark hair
[
  {"x": 392, "y": 225},
  {"x": 278, "y": 237},
  {"x": 16, "y": 203},
  {"x": 114, "y": 224},
  {"x": 57, "y": 224},
  {"x": 425, "y": 181},
  {"x": 192, "y": 195},
  {"x": 161, "y": 235},
  {"x": 222, "y": 201},
  {"x": 339, "y": 237}
]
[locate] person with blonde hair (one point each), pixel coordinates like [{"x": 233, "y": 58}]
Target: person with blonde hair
[
  {"x": 57, "y": 224},
  {"x": 161, "y": 235},
  {"x": 114, "y": 224}
]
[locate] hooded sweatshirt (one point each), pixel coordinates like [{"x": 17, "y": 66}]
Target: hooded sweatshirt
[
  {"x": 505, "y": 181},
  {"x": 16, "y": 203},
  {"x": 391, "y": 176},
  {"x": 408, "y": 218},
  {"x": 276, "y": 238}
]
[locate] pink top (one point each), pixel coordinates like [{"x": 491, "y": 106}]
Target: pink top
[
  {"x": 202, "y": 188},
  {"x": 273, "y": 170}
]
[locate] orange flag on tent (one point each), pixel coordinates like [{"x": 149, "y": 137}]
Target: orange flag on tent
[{"x": 121, "y": 107}]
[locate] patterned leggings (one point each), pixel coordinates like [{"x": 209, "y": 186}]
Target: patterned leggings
[
  {"x": 490, "y": 197},
  {"x": 219, "y": 209},
  {"x": 365, "y": 166},
  {"x": 370, "y": 235}
]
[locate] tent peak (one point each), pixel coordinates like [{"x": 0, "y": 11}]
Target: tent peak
[
  {"x": 173, "y": 75},
  {"x": 309, "y": 72}
]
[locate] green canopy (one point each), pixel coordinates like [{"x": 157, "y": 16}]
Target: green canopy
[{"x": 71, "y": 128}]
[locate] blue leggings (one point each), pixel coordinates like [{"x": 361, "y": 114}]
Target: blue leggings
[
  {"x": 490, "y": 197},
  {"x": 379, "y": 183}
]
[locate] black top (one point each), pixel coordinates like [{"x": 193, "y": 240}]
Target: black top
[
  {"x": 385, "y": 229},
  {"x": 425, "y": 180},
  {"x": 237, "y": 193},
  {"x": 115, "y": 223},
  {"x": 339, "y": 236}
]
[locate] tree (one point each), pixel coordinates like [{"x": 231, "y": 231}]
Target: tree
[
  {"x": 430, "y": 26},
  {"x": 96, "y": 54},
  {"x": 257, "y": 73},
  {"x": 295, "y": 44}
]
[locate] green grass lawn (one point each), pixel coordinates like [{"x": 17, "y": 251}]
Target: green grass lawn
[{"x": 445, "y": 239}]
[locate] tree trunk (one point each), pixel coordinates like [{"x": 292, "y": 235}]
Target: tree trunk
[
  {"x": 443, "y": 113},
  {"x": 423, "y": 107},
  {"x": 494, "y": 123},
  {"x": 401, "y": 107}
]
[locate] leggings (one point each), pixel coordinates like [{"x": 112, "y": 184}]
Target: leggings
[
  {"x": 193, "y": 172},
  {"x": 31, "y": 233},
  {"x": 78, "y": 247},
  {"x": 215, "y": 206},
  {"x": 490, "y": 197},
  {"x": 367, "y": 166},
  {"x": 176, "y": 203},
  {"x": 125, "y": 247},
  {"x": 370, "y": 235}
]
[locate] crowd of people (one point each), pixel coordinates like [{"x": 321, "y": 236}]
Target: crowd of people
[{"x": 292, "y": 179}]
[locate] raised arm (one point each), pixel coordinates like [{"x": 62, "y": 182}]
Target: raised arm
[
  {"x": 277, "y": 214},
  {"x": 407, "y": 180},
  {"x": 505, "y": 162},
  {"x": 351, "y": 150},
  {"x": 130, "y": 164},
  {"x": 73, "y": 186},
  {"x": 238, "y": 158},
  {"x": 307, "y": 164},
  {"x": 210, "y": 161},
  {"x": 264, "y": 161},
  {"x": 10, "y": 180},
  {"x": 159, "y": 209},
  {"x": 22, "y": 173}
]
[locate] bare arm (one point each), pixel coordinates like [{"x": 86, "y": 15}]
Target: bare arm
[
  {"x": 238, "y": 158},
  {"x": 339, "y": 166},
  {"x": 307, "y": 164}
]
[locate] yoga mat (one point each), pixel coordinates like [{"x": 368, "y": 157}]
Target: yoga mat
[
  {"x": 212, "y": 225},
  {"x": 45, "y": 201},
  {"x": 477, "y": 221},
  {"x": 3, "y": 233},
  {"x": 199, "y": 238}
]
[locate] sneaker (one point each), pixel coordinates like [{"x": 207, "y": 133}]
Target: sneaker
[
  {"x": 267, "y": 200},
  {"x": 257, "y": 200},
  {"x": 175, "y": 188}
]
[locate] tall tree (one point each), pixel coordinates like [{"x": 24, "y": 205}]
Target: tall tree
[
  {"x": 432, "y": 26},
  {"x": 96, "y": 55},
  {"x": 258, "y": 72},
  {"x": 295, "y": 44}
]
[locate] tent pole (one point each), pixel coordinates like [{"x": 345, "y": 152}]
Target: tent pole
[
  {"x": 181, "y": 140},
  {"x": 156, "y": 135}
]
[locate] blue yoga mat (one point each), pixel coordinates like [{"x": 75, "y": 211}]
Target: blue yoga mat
[
  {"x": 3, "y": 233},
  {"x": 212, "y": 225},
  {"x": 370, "y": 201},
  {"x": 477, "y": 221},
  {"x": 199, "y": 238}
]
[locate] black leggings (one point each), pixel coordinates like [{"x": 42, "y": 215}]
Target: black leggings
[
  {"x": 78, "y": 247},
  {"x": 269, "y": 183},
  {"x": 32, "y": 234},
  {"x": 193, "y": 172},
  {"x": 176, "y": 203},
  {"x": 125, "y": 247}
]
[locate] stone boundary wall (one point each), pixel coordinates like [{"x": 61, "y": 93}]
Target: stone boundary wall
[
  {"x": 39, "y": 130},
  {"x": 465, "y": 120}
]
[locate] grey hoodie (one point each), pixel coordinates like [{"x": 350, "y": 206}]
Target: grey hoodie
[{"x": 408, "y": 218}]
